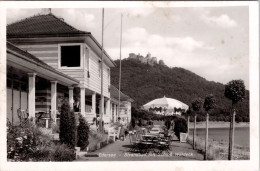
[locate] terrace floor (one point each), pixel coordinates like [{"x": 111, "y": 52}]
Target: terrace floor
[{"x": 119, "y": 151}]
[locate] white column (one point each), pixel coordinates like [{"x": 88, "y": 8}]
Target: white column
[
  {"x": 31, "y": 96},
  {"x": 115, "y": 118},
  {"x": 82, "y": 101},
  {"x": 108, "y": 108},
  {"x": 101, "y": 108},
  {"x": 94, "y": 104},
  {"x": 53, "y": 99},
  {"x": 111, "y": 106},
  {"x": 100, "y": 102},
  {"x": 71, "y": 101}
]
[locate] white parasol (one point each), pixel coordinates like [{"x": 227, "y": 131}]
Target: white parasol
[{"x": 167, "y": 104}]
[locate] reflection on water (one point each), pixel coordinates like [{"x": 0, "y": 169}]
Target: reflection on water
[{"x": 222, "y": 134}]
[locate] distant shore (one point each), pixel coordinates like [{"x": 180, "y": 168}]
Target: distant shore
[{"x": 220, "y": 124}]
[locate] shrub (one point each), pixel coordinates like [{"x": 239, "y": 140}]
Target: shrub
[
  {"x": 22, "y": 141},
  {"x": 180, "y": 125},
  {"x": 83, "y": 132},
  {"x": 25, "y": 143},
  {"x": 67, "y": 125},
  {"x": 55, "y": 128},
  {"x": 28, "y": 143},
  {"x": 63, "y": 153}
]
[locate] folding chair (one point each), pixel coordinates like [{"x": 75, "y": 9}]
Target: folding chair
[{"x": 134, "y": 142}]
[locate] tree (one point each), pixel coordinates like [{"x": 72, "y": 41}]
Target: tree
[
  {"x": 67, "y": 125},
  {"x": 167, "y": 124},
  {"x": 83, "y": 132},
  {"x": 180, "y": 125},
  {"x": 195, "y": 105},
  {"x": 133, "y": 122},
  {"x": 188, "y": 113},
  {"x": 209, "y": 104},
  {"x": 235, "y": 91}
]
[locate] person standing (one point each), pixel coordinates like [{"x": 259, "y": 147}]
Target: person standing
[{"x": 76, "y": 105}]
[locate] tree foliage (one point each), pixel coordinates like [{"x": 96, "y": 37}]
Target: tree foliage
[
  {"x": 83, "y": 132},
  {"x": 144, "y": 83},
  {"x": 196, "y": 104},
  {"x": 133, "y": 122},
  {"x": 180, "y": 125},
  {"x": 209, "y": 102},
  {"x": 235, "y": 90},
  {"x": 67, "y": 125}
]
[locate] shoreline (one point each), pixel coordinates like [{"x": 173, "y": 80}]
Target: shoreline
[{"x": 221, "y": 124}]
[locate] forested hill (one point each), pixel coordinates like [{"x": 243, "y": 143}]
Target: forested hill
[{"x": 144, "y": 83}]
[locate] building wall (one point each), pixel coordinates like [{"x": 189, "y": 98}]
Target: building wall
[
  {"x": 125, "y": 111},
  {"x": 49, "y": 53},
  {"x": 95, "y": 76}
]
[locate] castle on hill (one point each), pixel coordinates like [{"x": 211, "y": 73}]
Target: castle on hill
[{"x": 146, "y": 60}]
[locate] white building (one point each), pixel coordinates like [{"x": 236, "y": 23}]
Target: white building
[{"x": 55, "y": 61}]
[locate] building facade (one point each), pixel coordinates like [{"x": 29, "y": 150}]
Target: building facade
[{"x": 70, "y": 52}]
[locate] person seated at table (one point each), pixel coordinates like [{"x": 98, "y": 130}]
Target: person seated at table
[{"x": 166, "y": 131}]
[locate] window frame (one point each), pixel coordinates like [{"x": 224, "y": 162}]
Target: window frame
[
  {"x": 81, "y": 55},
  {"x": 99, "y": 68}
]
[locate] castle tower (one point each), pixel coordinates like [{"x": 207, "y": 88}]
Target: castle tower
[{"x": 148, "y": 55}]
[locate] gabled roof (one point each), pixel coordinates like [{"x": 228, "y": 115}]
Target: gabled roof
[
  {"x": 114, "y": 93},
  {"x": 38, "y": 25},
  {"x": 48, "y": 25},
  {"x": 11, "y": 48}
]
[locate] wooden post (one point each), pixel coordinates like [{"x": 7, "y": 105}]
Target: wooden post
[
  {"x": 206, "y": 137},
  {"x": 101, "y": 110},
  {"x": 194, "y": 130},
  {"x": 82, "y": 100},
  {"x": 188, "y": 124},
  {"x": 94, "y": 104},
  {"x": 231, "y": 135}
]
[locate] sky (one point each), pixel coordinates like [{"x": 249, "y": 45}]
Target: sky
[{"x": 212, "y": 42}]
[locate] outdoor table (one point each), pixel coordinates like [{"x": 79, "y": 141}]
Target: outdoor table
[
  {"x": 148, "y": 137},
  {"x": 145, "y": 146}
]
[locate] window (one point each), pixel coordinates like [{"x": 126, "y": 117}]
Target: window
[{"x": 70, "y": 56}]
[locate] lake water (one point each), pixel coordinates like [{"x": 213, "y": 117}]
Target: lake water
[{"x": 241, "y": 134}]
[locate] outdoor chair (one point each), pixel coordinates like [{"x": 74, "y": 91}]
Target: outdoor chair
[
  {"x": 143, "y": 131},
  {"x": 111, "y": 133},
  {"x": 118, "y": 133},
  {"x": 134, "y": 142},
  {"x": 139, "y": 135},
  {"x": 163, "y": 145}
]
